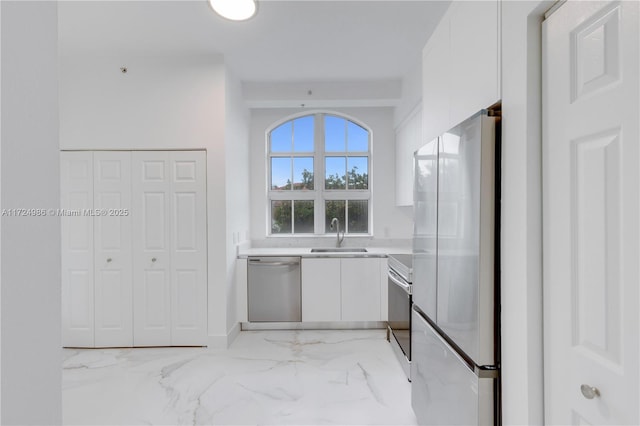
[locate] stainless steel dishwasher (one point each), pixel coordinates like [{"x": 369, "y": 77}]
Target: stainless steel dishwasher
[{"x": 274, "y": 293}]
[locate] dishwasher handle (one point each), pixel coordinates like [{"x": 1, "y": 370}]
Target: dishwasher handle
[{"x": 274, "y": 262}]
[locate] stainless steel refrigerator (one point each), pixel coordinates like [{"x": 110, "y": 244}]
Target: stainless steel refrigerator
[{"x": 455, "y": 316}]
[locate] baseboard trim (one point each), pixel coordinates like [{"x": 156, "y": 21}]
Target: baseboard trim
[
  {"x": 225, "y": 340},
  {"x": 328, "y": 325},
  {"x": 217, "y": 342},
  {"x": 233, "y": 333}
]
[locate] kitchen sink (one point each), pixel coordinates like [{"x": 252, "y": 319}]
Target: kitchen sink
[{"x": 339, "y": 250}]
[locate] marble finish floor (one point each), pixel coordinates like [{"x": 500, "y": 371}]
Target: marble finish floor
[{"x": 347, "y": 377}]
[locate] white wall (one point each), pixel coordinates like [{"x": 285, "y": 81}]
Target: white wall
[
  {"x": 522, "y": 355},
  {"x": 389, "y": 222},
  {"x": 163, "y": 102},
  {"x": 237, "y": 189},
  {"x": 0, "y": 220},
  {"x": 31, "y": 356},
  {"x": 321, "y": 94}
]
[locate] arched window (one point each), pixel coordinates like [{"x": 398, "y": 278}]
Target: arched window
[{"x": 319, "y": 168}]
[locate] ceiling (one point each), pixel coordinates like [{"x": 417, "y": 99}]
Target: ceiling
[{"x": 294, "y": 40}]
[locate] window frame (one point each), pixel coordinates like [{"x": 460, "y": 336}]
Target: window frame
[{"x": 319, "y": 195}]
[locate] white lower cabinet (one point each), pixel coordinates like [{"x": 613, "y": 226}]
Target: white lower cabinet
[
  {"x": 321, "y": 290},
  {"x": 342, "y": 289},
  {"x": 135, "y": 275},
  {"x": 360, "y": 278}
]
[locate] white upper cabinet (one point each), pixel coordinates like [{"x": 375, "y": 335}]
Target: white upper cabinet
[
  {"x": 475, "y": 71},
  {"x": 460, "y": 68},
  {"x": 436, "y": 59},
  {"x": 408, "y": 140}
]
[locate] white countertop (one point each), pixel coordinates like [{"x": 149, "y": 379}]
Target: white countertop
[{"x": 306, "y": 252}]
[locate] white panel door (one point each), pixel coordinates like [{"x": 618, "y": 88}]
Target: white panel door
[
  {"x": 360, "y": 279},
  {"x": 112, "y": 259},
  {"x": 188, "y": 248},
  {"x": 76, "y": 171},
  {"x": 151, "y": 216},
  {"x": 321, "y": 290},
  {"x": 590, "y": 212}
]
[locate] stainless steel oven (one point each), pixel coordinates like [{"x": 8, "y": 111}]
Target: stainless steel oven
[{"x": 399, "y": 326}]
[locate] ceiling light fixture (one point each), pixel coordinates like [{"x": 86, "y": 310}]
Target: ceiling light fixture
[{"x": 235, "y": 10}]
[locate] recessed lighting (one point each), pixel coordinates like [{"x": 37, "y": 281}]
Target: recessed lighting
[{"x": 235, "y": 10}]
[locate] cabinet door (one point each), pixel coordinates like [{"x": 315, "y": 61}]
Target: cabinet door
[
  {"x": 408, "y": 140},
  {"x": 188, "y": 248},
  {"x": 474, "y": 70},
  {"x": 435, "y": 82},
  {"x": 360, "y": 279},
  {"x": 112, "y": 256},
  {"x": 151, "y": 194},
  {"x": 242, "y": 307},
  {"x": 321, "y": 290},
  {"x": 384, "y": 290},
  {"x": 76, "y": 171}
]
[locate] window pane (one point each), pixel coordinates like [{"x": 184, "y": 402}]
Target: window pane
[
  {"x": 335, "y": 176},
  {"x": 334, "y": 134},
  {"x": 358, "y": 217},
  {"x": 281, "y": 138},
  {"x": 358, "y": 172},
  {"x": 303, "y": 173},
  {"x": 358, "y": 137},
  {"x": 280, "y": 217},
  {"x": 281, "y": 173},
  {"x": 303, "y": 134},
  {"x": 303, "y": 217},
  {"x": 334, "y": 209}
]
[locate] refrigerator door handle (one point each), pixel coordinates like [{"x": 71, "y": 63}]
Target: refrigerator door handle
[
  {"x": 486, "y": 372},
  {"x": 482, "y": 372},
  {"x": 471, "y": 367}
]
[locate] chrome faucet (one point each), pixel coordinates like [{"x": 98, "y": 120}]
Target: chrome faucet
[{"x": 336, "y": 223}]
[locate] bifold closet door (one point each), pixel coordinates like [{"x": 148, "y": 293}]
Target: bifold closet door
[
  {"x": 188, "y": 248},
  {"x": 151, "y": 215},
  {"x": 169, "y": 241},
  {"x": 76, "y": 172},
  {"x": 113, "y": 254}
]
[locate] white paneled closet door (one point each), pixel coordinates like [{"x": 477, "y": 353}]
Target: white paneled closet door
[
  {"x": 151, "y": 215},
  {"x": 591, "y": 213},
  {"x": 76, "y": 170},
  {"x": 113, "y": 254},
  {"x": 188, "y": 248}
]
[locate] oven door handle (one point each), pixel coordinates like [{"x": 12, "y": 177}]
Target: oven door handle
[{"x": 398, "y": 281}]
